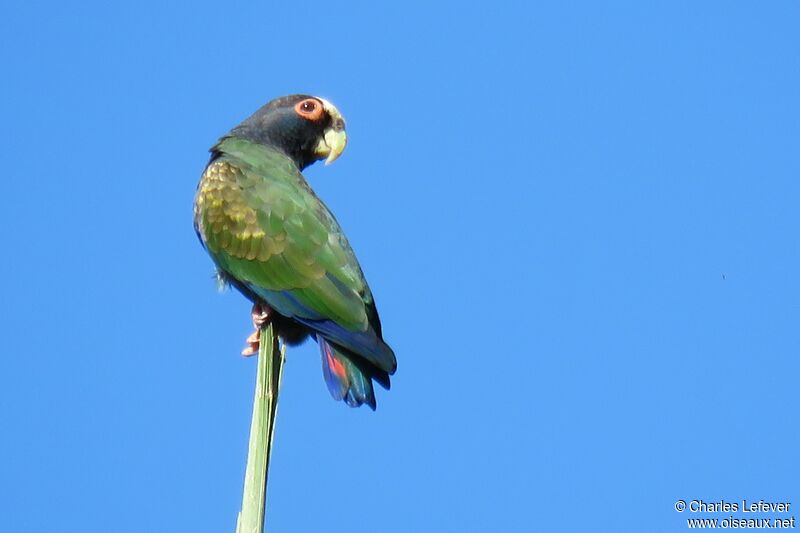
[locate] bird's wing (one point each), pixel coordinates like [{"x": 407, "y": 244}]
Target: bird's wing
[{"x": 265, "y": 228}]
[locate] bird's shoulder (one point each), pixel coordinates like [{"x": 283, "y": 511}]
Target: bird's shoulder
[
  {"x": 250, "y": 193},
  {"x": 264, "y": 226}
]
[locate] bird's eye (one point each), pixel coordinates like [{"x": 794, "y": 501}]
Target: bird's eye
[{"x": 309, "y": 109}]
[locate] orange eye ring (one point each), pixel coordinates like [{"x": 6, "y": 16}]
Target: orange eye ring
[{"x": 309, "y": 109}]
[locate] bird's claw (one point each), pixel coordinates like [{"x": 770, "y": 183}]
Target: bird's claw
[
  {"x": 261, "y": 315},
  {"x": 252, "y": 344}
]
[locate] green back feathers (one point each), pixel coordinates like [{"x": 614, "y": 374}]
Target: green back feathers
[{"x": 264, "y": 226}]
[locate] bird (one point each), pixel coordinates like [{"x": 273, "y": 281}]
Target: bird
[{"x": 276, "y": 242}]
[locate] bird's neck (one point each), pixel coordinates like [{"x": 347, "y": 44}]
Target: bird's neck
[
  {"x": 255, "y": 154},
  {"x": 275, "y": 139}
]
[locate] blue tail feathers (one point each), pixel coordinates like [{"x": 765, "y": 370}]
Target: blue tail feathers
[{"x": 348, "y": 376}]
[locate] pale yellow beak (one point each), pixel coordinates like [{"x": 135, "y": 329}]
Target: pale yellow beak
[{"x": 334, "y": 141}]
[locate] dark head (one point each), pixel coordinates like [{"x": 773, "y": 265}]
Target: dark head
[{"x": 306, "y": 128}]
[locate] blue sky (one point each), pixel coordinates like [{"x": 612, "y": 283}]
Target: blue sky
[{"x": 579, "y": 221}]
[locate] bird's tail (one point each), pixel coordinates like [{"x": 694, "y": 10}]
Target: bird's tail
[{"x": 348, "y": 376}]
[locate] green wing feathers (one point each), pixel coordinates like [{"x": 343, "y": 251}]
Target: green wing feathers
[{"x": 264, "y": 226}]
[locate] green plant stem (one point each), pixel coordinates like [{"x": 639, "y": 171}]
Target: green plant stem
[{"x": 262, "y": 428}]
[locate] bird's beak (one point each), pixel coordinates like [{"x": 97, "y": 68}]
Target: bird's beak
[{"x": 334, "y": 140}]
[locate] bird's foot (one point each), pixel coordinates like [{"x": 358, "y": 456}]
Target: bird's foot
[{"x": 261, "y": 316}]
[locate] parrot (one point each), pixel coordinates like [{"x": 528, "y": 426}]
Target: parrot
[{"x": 272, "y": 239}]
